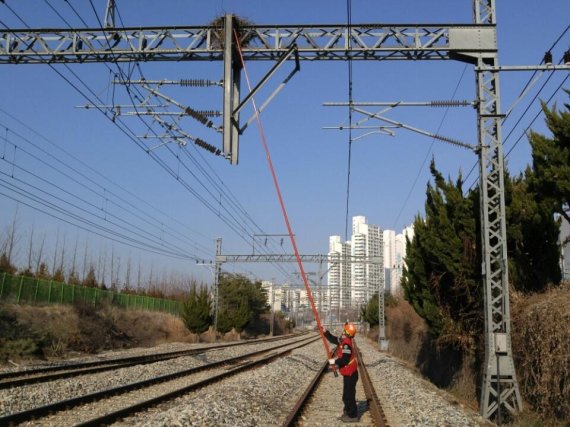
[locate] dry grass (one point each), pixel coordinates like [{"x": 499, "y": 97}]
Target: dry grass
[
  {"x": 405, "y": 330},
  {"x": 147, "y": 328},
  {"x": 541, "y": 349},
  {"x": 57, "y": 330},
  {"x": 54, "y": 328}
]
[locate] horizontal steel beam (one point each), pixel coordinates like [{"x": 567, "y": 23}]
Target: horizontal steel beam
[
  {"x": 314, "y": 42},
  {"x": 549, "y": 67}
]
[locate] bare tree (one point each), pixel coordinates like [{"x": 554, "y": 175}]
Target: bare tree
[
  {"x": 62, "y": 258},
  {"x": 73, "y": 277},
  {"x": 54, "y": 267},
  {"x": 128, "y": 273},
  {"x": 12, "y": 239},
  {"x": 58, "y": 273},
  {"x": 85, "y": 256},
  {"x": 30, "y": 250},
  {"x": 40, "y": 255},
  {"x": 102, "y": 266},
  {"x": 113, "y": 283},
  {"x": 139, "y": 275}
]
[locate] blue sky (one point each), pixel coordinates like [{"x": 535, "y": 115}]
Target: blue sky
[{"x": 110, "y": 179}]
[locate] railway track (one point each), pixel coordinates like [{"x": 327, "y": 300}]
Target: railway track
[
  {"x": 118, "y": 402},
  {"x": 51, "y": 373},
  {"x": 321, "y": 403},
  {"x": 284, "y": 383}
]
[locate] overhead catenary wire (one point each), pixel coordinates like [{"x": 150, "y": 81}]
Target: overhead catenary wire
[
  {"x": 506, "y": 139},
  {"x": 524, "y": 91},
  {"x": 247, "y": 216},
  {"x": 421, "y": 168},
  {"x": 234, "y": 225},
  {"x": 84, "y": 208},
  {"x": 80, "y": 171}
]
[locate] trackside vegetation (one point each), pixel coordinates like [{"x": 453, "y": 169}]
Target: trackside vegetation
[{"x": 442, "y": 278}]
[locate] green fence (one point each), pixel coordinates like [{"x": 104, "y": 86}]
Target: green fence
[{"x": 29, "y": 290}]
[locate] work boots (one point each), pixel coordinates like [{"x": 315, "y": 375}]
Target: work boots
[{"x": 346, "y": 419}]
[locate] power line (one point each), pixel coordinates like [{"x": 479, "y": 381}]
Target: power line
[
  {"x": 89, "y": 209},
  {"x": 420, "y": 169},
  {"x": 523, "y": 92},
  {"x": 228, "y": 217},
  {"x": 107, "y": 191}
]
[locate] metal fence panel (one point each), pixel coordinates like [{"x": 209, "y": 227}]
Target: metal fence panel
[{"x": 30, "y": 290}]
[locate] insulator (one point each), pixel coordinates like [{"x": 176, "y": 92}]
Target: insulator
[
  {"x": 451, "y": 103},
  {"x": 201, "y": 143},
  {"x": 198, "y": 116},
  {"x": 566, "y": 57},
  {"x": 548, "y": 58},
  {"x": 451, "y": 141},
  {"x": 210, "y": 113},
  {"x": 198, "y": 82}
]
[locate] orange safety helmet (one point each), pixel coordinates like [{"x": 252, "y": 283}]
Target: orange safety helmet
[{"x": 350, "y": 329}]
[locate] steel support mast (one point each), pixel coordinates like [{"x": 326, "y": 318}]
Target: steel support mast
[
  {"x": 473, "y": 43},
  {"x": 500, "y": 386}
]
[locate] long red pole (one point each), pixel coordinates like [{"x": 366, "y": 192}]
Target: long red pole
[{"x": 284, "y": 210}]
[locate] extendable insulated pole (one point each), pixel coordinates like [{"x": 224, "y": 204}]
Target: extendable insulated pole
[{"x": 284, "y": 210}]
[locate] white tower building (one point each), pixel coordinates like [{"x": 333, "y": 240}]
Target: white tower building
[
  {"x": 400, "y": 256},
  {"x": 274, "y": 295},
  {"x": 367, "y": 278},
  {"x": 338, "y": 274}
]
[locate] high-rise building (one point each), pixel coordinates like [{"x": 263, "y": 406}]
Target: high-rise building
[
  {"x": 352, "y": 284},
  {"x": 394, "y": 258},
  {"x": 338, "y": 274},
  {"x": 274, "y": 295},
  {"x": 367, "y": 277}
]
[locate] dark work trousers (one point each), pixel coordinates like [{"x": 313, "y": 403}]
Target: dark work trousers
[{"x": 349, "y": 394}]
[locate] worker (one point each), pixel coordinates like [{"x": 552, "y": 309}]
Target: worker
[{"x": 347, "y": 364}]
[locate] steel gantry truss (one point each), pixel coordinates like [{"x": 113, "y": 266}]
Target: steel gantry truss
[
  {"x": 474, "y": 43},
  {"x": 331, "y": 259}
]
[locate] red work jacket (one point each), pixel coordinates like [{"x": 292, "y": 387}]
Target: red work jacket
[{"x": 351, "y": 367}]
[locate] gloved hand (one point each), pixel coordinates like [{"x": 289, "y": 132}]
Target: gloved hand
[{"x": 331, "y": 362}]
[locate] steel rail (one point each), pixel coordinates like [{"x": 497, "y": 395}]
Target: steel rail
[
  {"x": 299, "y": 406},
  {"x": 42, "y": 411},
  {"x": 114, "y": 416},
  {"x": 374, "y": 405},
  {"x": 19, "y": 378}
]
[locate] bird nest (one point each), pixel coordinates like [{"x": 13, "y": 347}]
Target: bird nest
[{"x": 245, "y": 36}]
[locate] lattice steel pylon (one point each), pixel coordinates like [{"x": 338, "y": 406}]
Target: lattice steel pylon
[
  {"x": 473, "y": 43},
  {"x": 500, "y": 387}
]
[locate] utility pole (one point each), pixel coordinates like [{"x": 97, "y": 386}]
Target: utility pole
[
  {"x": 217, "y": 273},
  {"x": 272, "y": 306},
  {"x": 500, "y": 386}
]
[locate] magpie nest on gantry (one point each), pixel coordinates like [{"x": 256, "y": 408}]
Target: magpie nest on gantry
[{"x": 245, "y": 36}]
